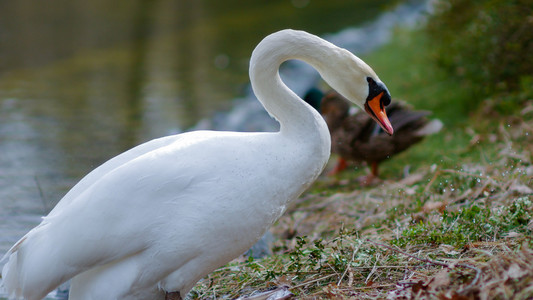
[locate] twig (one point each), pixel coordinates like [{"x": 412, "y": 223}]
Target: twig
[
  {"x": 430, "y": 261},
  {"x": 426, "y": 260},
  {"x": 348, "y": 265},
  {"x": 371, "y": 271},
  {"x": 465, "y": 173},
  {"x": 374, "y": 286},
  {"x": 384, "y": 267},
  {"x": 430, "y": 183},
  {"x": 481, "y": 189},
  {"x": 313, "y": 281},
  {"x": 450, "y": 227}
]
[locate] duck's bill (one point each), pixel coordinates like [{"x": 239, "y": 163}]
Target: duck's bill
[{"x": 376, "y": 110}]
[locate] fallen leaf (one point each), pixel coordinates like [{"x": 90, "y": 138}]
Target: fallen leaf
[
  {"x": 412, "y": 179},
  {"x": 529, "y": 170},
  {"x": 350, "y": 276},
  {"x": 515, "y": 271},
  {"x": 449, "y": 249},
  {"x": 476, "y": 139},
  {"x": 442, "y": 278},
  {"x": 417, "y": 286},
  {"x": 332, "y": 290},
  {"x": 284, "y": 281},
  {"x": 417, "y": 218},
  {"x": 520, "y": 188},
  {"x": 433, "y": 205},
  {"x": 456, "y": 296},
  {"x": 409, "y": 190},
  {"x": 280, "y": 293},
  {"x": 513, "y": 234}
]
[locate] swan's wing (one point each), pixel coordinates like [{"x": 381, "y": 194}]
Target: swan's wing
[
  {"x": 112, "y": 164},
  {"x": 117, "y": 215},
  {"x": 101, "y": 171}
]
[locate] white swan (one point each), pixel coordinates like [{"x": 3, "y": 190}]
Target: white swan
[{"x": 161, "y": 216}]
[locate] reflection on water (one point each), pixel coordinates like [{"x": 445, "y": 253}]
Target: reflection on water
[{"x": 81, "y": 81}]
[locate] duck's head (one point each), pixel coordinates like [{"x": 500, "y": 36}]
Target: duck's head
[{"x": 357, "y": 82}]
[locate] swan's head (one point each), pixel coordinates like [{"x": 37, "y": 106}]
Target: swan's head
[
  {"x": 378, "y": 97},
  {"x": 357, "y": 82}
]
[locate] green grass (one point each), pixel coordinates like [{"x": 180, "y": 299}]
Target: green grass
[
  {"x": 474, "y": 223},
  {"x": 406, "y": 67},
  {"x": 457, "y": 224}
]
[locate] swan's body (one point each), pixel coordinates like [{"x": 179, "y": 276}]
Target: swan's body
[{"x": 164, "y": 214}]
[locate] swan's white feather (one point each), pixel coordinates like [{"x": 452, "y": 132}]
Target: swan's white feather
[
  {"x": 164, "y": 214},
  {"x": 131, "y": 190},
  {"x": 113, "y": 163}
]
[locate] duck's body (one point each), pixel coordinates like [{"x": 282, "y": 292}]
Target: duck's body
[
  {"x": 161, "y": 216},
  {"x": 355, "y": 138}
]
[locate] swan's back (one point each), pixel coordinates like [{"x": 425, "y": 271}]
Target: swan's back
[{"x": 215, "y": 192}]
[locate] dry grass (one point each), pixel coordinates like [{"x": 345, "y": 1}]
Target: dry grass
[{"x": 437, "y": 233}]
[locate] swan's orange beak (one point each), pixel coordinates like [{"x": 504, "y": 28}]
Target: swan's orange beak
[{"x": 375, "y": 108}]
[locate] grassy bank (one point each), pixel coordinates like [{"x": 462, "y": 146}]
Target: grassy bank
[{"x": 450, "y": 220}]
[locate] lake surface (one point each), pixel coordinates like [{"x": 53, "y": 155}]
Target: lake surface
[{"x": 82, "y": 81}]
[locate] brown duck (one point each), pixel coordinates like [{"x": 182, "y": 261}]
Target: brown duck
[{"x": 356, "y": 138}]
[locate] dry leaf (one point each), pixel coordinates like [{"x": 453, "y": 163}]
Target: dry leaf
[
  {"x": 433, "y": 205},
  {"x": 449, "y": 249},
  {"x": 409, "y": 190},
  {"x": 441, "y": 279},
  {"x": 350, "y": 276},
  {"x": 475, "y": 140},
  {"x": 456, "y": 296},
  {"x": 284, "y": 281},
  {"x": 520, "y": 188},
  {"x": 412, "y": 179},
  {"x": 515, "y": 271},
  {"x": 280, "y": 293},
  {"x": 529, "y": 170},
  {"x": 513, "y": 234},
  {"x": 417, "y": 286},
  {"x": 332, "y": 290}
]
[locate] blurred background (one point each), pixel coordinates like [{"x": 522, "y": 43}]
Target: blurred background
[{"x": 82, "y": 81}]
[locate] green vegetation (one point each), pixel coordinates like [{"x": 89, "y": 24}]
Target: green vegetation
[
  {"x": 456, "y": 224},
  {"x": 488, "y": 44}
]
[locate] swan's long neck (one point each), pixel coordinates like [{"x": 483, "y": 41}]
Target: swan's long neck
[{"x": 297, "y": 118}]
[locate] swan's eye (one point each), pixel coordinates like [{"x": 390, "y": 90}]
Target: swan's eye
[{"x": 375, "y": 88}]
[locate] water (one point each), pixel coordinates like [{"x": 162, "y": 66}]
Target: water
[{"x": 83, "y": 81}]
